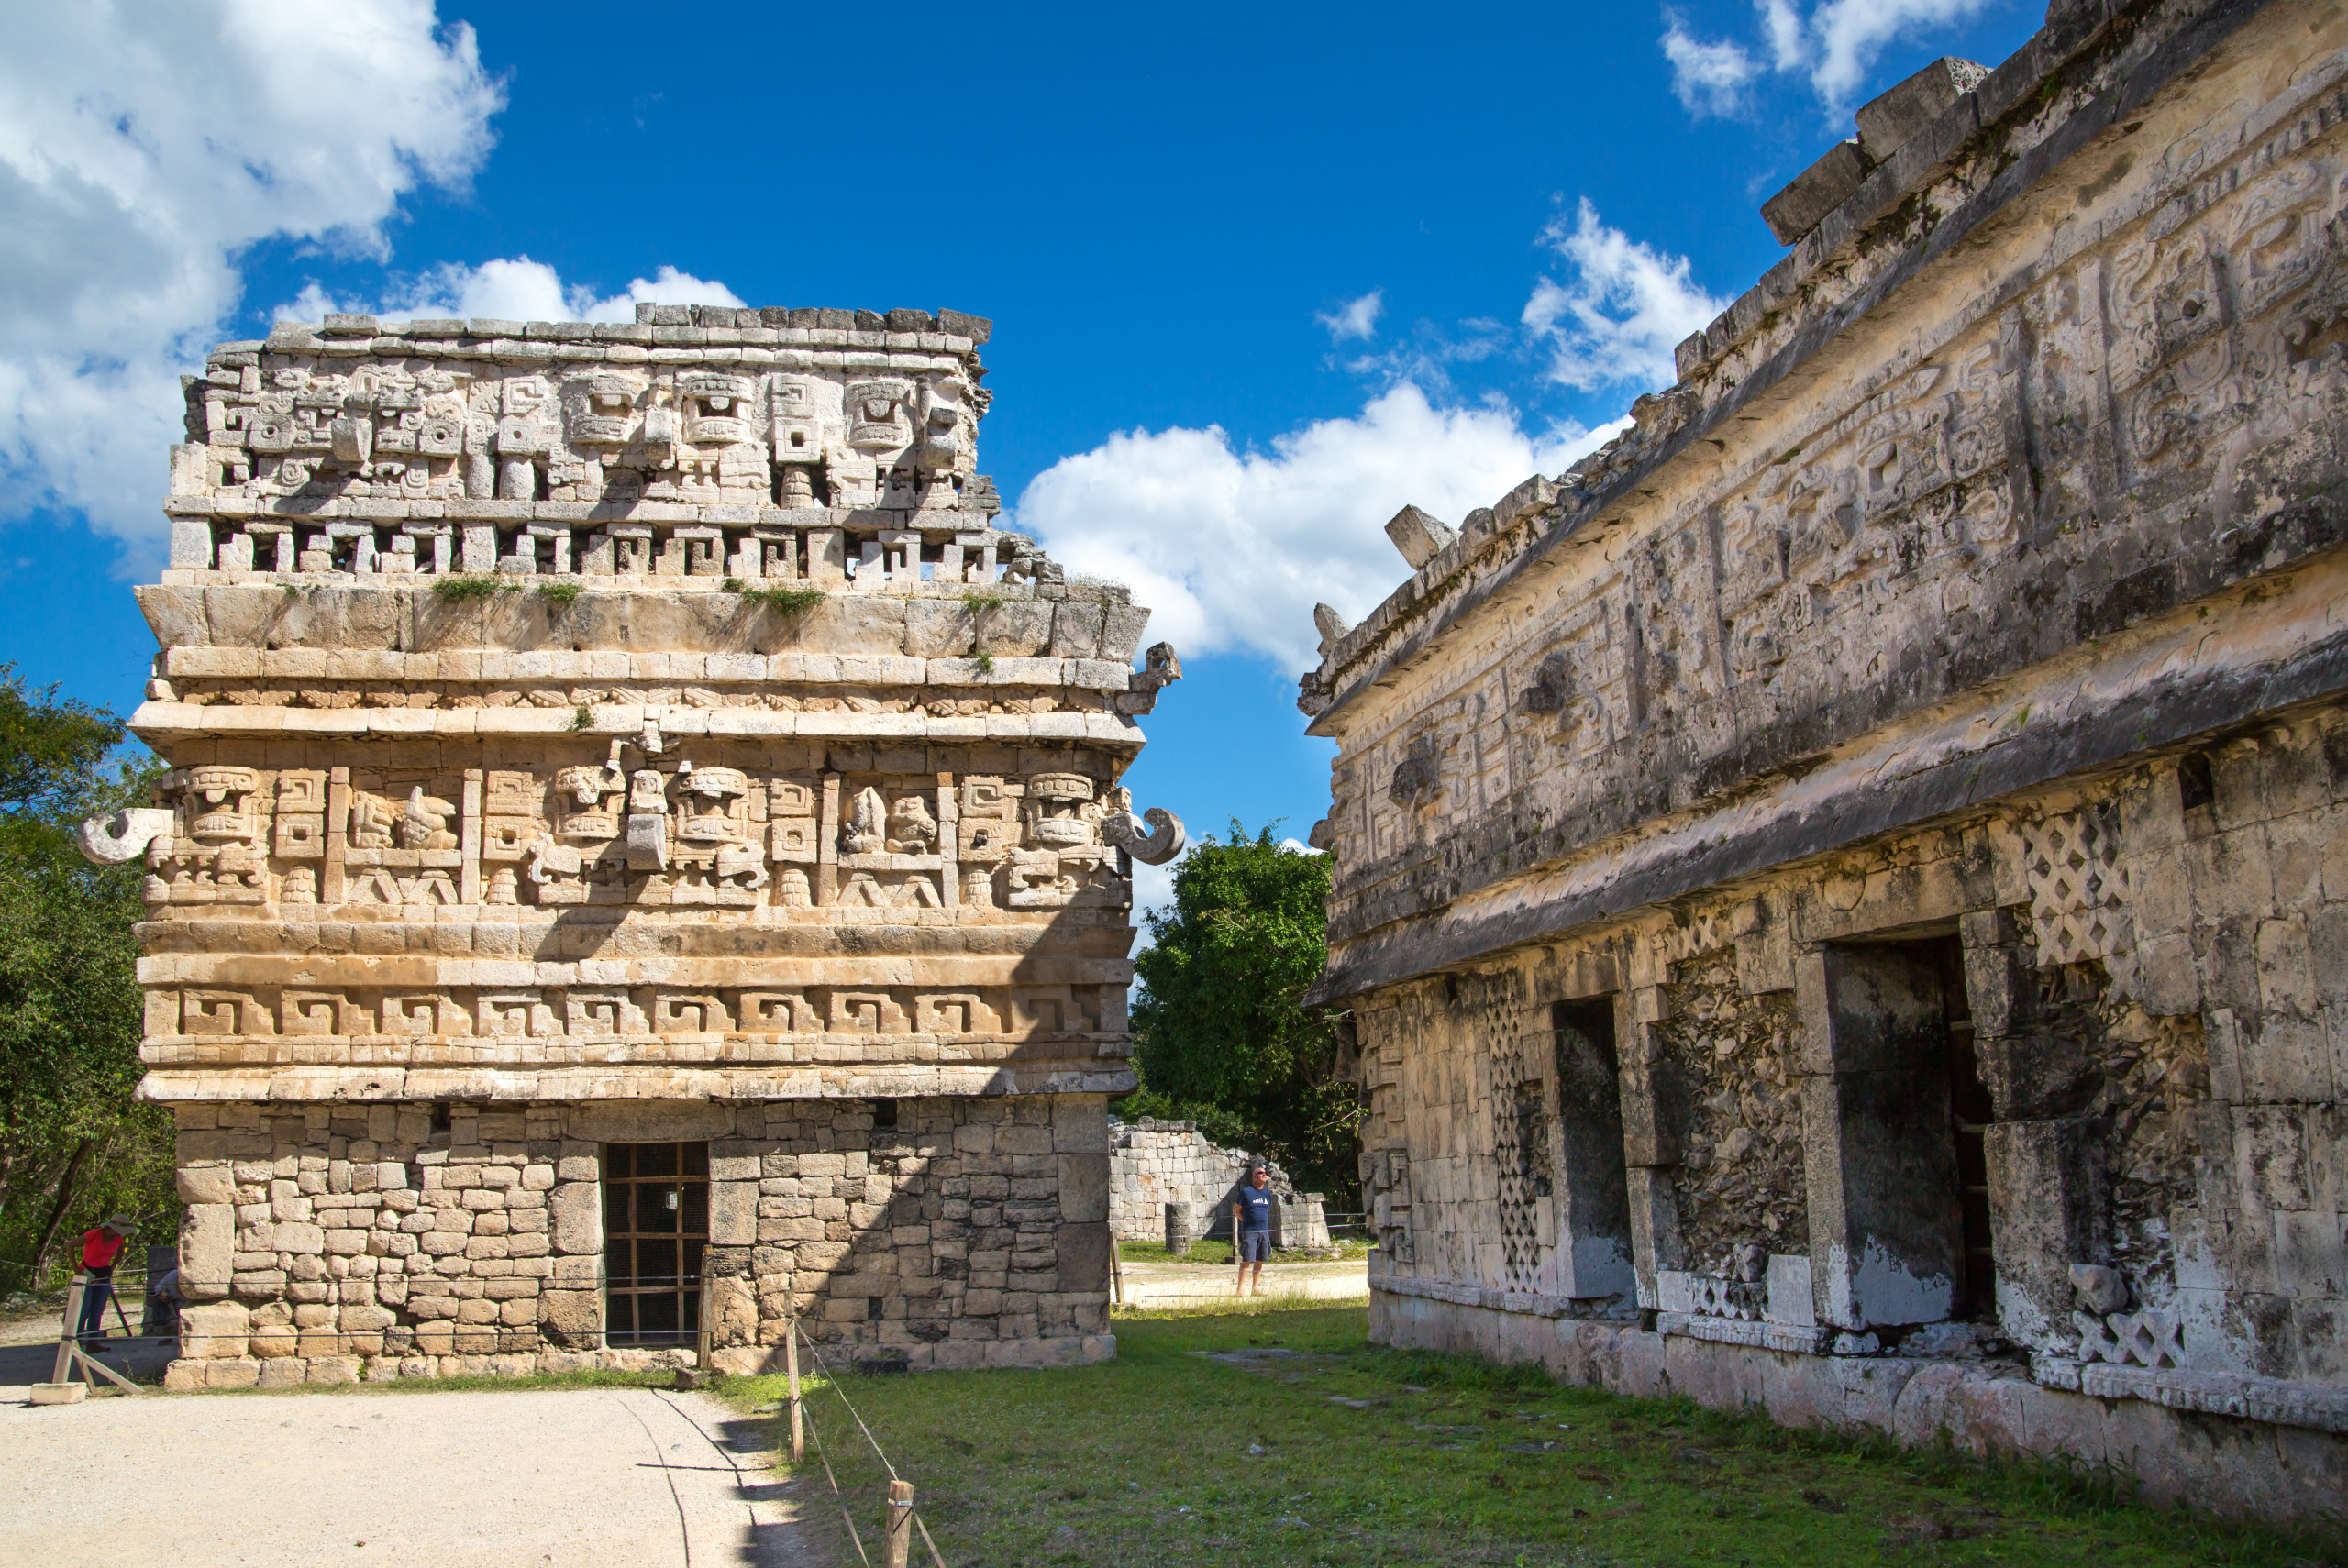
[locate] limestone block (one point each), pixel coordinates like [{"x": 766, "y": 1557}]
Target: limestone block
[
  {"x": 1815, "y": 192},
  {"x": 299, "y": 1239},
  {"x": 1886, "y": 121},
  {"x": 207, "y": 1247},
  {"x": 1076, "y": 629},
  {"x": 733, "y": 1213},
  {"x": 214, "y": 1329},
  {"x": 1022, "y": 1140},
  {"x": 205, "y": 1184},
  {"x": 1122, "y": 628},
  {"x": 241, "y": 1372},
  {"x": 575, "y": 1218},
  {"x": 1081, "y": 1255}
]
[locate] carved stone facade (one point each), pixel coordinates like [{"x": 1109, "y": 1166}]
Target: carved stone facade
[
  {"x": 1844, "y": 894},
  {"x": 638, "y": 839}
]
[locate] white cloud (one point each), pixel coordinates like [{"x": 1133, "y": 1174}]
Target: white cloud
[
  {"x": 1153, "y": 890},
  {"x": 145, "y": 143},
  {"x": 1355, "y": 318},
  {"x": 1845, "y": 37},
  {"x": 1232, "y": 549},
  {"x": 1710, "y": 78},
  {"x": 1834, "y": 46},
  {"x": 1616, "y": 318},
  {"x": 513, "y": 289},
  {"x": 1782, "y": 24}
]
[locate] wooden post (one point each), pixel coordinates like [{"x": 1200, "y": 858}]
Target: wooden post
[
  {"x": 897, "y": 1536},
  {"x": 65, "y": 1330},
  {"x": 790, "y": 1366},
  {"x": 1116, "y": 1276},
  {"x": 700, "y": 1332}
]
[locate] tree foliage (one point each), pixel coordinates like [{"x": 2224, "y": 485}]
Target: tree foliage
[
  {"x": 1220, "y": 1037},
  {"x": 74, "y": 1145}
]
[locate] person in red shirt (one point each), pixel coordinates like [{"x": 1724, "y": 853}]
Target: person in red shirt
[{"x": 99, "y": 1249}]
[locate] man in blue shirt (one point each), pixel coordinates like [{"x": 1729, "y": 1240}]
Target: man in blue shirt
[{"x": 1251, "y": 1227}]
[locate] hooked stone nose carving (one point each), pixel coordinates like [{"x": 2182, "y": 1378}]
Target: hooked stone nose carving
[
  {"x": 110, "y": 841},
  {"x": 1160, "y": 841}
]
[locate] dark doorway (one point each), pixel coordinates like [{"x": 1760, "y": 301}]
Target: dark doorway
[
  {"x": 656, "y": 1223},
  {"x": 1911, "y": 1113},
  {"x": 1596, "y": 1213}
]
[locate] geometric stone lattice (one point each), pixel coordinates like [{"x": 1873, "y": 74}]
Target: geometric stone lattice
[
  {"x": 1713, "y": 1296},
  {"x": 1520, "y": 1227},
  {"x": 2077, "y": 891},
  {"x": 2148, "y": 1338}
]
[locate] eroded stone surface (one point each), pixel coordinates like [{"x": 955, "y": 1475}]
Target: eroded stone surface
[{"x": 1842, "y": 878}]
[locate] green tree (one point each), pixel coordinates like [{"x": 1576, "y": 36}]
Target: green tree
[
  {"x": 1219, "y": 1037},
  {"x": 73, "y": 1144}
]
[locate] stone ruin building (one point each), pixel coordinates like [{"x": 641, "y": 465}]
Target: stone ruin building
[
  {"x": 634, "y": 823},
  {"x": 1844, "y": 894},
  {"x": 1154, "y": 1163}
]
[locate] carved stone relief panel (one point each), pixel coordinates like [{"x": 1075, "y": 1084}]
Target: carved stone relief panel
[
  {"x": 213, "y": 852},
  {"x": 1010, "y": 1014},
  {"x": 1060, "y": 861},
  {"x": 465, "y": 429}
]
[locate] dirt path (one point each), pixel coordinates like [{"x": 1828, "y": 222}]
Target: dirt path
[
  {"x": 1183, "y": 1285},
  {"x": 583, "y": 1478}
]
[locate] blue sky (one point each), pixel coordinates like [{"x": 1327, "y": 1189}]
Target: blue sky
[{"x": 1260, "y": 275}]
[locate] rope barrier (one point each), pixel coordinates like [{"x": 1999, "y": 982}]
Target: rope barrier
[
  {"x": 835, "y": 1384},
  {"x": 846, "y": 1518},
  {"x": 936, "y": 1556}
]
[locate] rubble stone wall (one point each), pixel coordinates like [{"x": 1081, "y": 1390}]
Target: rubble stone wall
[
  {"x": 1153, "y": 1164},
  {"x": 336, "y": 1244}
]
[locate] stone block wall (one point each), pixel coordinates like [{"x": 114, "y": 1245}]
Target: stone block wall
[
  {"x": 1156, "y": 1163},
  {"x": 1153, "y": 1164},
  {"x": 333, "y": 1244}
]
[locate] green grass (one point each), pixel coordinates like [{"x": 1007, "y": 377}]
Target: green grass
[
  {"x": 1430, "y": 1459},
  {"x": 462, "y": 590},
  {"x": 781, "y": 601},
  {"x": 561, "y": 595}
]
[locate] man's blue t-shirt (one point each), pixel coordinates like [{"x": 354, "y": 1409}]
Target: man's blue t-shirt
[{"x": 1255, "y": 1207}]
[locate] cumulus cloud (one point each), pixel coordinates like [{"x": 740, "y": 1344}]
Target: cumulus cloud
[
  {"x": 1621, "y": 309},
  {"x": 144, "y": 144},
  {"x": 1833, "y": 45},
  {"x": 514, "y": 289},
  {"x": 1232, "y": 548},
  {"x": 1354, "y": 318},
  {"x": 1709, "y": 78}
]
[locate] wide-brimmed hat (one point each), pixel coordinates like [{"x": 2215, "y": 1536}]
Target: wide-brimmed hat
[{"x": 121, "y": 1224}]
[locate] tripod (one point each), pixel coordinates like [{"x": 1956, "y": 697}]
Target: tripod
[{"x": 114, "y": 1298}]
